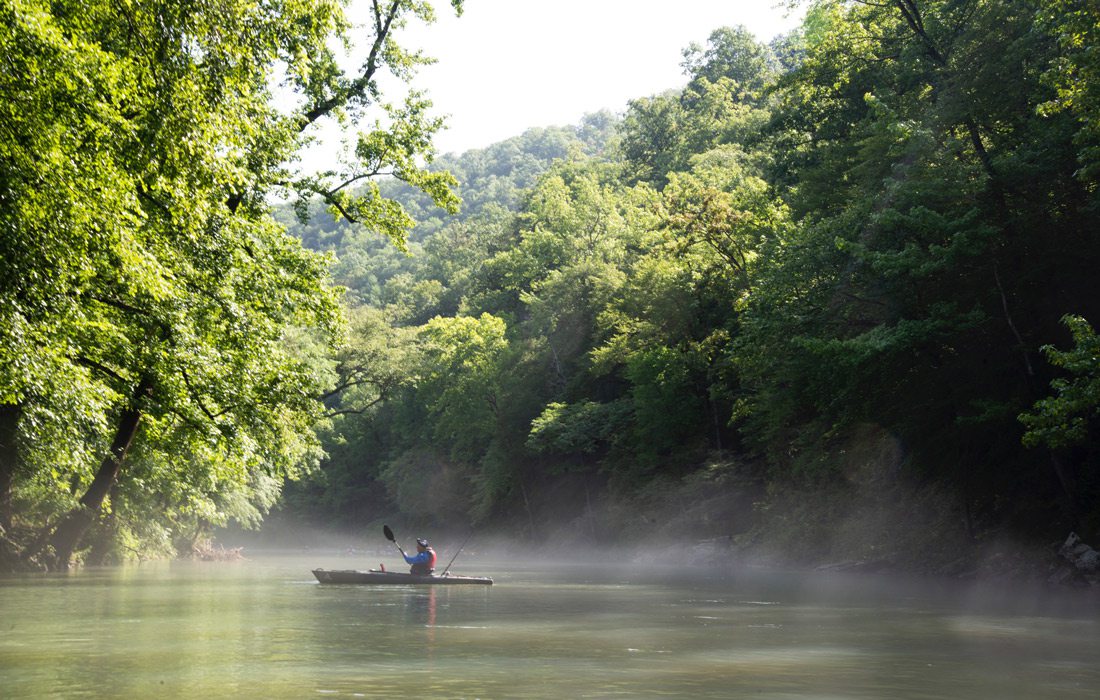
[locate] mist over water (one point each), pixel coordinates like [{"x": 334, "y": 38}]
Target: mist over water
[{"x": 263, "y": 627}]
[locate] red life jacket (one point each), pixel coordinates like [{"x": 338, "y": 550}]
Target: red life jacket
[{"x": 425, "y": 568}]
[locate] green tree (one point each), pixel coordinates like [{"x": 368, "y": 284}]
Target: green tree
[
  {"x": 144, "y": 282},
  {"x": 732, "y": 53},
  {"x": 652, "y": 137},
  {"x": 457, "y": 378},
  {"x": 725, "y": 102},
  {"x": 1065, "y": 419}
]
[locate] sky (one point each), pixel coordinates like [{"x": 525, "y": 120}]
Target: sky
[{"x": 505, "y": 66}]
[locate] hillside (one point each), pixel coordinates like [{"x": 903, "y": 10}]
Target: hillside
[{"x": 814, "y": 303}]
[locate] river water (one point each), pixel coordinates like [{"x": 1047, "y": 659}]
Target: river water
[{"x": 263, "y": 628}]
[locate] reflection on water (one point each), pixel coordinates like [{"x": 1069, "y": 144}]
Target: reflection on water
[{"x": 264, "y": 628}]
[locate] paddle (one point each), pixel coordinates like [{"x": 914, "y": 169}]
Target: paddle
[{"x": 389, "y": 536}]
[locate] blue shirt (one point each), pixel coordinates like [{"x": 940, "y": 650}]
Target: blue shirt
[{"x": 418, "y": 558}]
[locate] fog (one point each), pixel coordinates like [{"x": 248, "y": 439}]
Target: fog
[{"x": 706, "y": 564}]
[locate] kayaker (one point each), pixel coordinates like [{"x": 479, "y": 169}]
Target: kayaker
[{"x": 423, "y": 562}]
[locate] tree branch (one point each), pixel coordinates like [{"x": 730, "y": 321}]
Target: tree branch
[
  {"x": 359, "y": 86},
  {"x": 88, "y": 362},
  {"x": 911, "y": 13},
  {"x": 356, "y": 411}
]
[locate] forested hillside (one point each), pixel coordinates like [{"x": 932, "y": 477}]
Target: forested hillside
[{"x": 853, "y": 268}]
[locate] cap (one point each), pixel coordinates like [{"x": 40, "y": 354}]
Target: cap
[{"x": 421, "y": 542}]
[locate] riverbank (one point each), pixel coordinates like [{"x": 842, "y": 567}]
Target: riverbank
[
  {"x": 867, "y": 522},
  {"x": 722, "y": 517}
]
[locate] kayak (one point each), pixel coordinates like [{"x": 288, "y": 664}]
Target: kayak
[{"x": 390, "y": 578}]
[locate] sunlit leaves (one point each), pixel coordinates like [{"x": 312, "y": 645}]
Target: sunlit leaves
[
  {"x": 1075, "y": 74},
  {"x": 584, "y": 428},
  {"x": 724, "y": 208},
  {"x": 458, "y": 377},
  {"x": 733, "y": 54},
  {"x": 399, "y": 148},
  {"x": 141, "y": 272},
  {"x": 1065, "y": 419}
]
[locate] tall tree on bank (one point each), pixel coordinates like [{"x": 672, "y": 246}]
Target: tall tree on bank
[{"x": 144, "y": 283}]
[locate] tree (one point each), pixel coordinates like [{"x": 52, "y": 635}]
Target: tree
[
  {"x": 1066, "y": 419},
  {"x": 732, "y": 53},
  {"x": 457, "y": 378},
  {"x": 724, "y": 103},
  {"x": 144, "y": 282},
  {"x": 652, "y": 137}
]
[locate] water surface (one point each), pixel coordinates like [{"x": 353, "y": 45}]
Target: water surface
[{"x": 264, "y": 628}]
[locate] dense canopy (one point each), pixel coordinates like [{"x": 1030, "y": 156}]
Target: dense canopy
[
  {"x": 851, "y": 265},
  {"x": 854, "y": 266}
]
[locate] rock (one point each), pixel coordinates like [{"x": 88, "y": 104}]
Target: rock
[
  {"x": 1089, "y": 561},
  {"x": 1083, "y": 557}
]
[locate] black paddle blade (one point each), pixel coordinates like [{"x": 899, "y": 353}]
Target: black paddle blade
[{"x": 388, "y": 533}]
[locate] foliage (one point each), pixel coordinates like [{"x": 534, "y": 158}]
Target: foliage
[
  {"x": 457, "y": 378},
  {"x": 1063, "y": 420},
  {"x": 583, "y": 428},
  {"x": 870, "y": 226},
  {"x": 1075, "y": 74},
  {"x": 164, "y": 338}
]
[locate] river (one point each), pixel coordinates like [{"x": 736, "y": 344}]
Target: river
[{"x": 263, "y": 628}]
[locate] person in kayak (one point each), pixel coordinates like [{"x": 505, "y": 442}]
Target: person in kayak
[{"x": 423, "y": 562}]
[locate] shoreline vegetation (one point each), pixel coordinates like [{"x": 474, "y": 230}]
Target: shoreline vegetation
[{"x": 829, "y": 304}]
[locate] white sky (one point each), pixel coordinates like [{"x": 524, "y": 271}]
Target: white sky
[{"x": 508, "y": 65}]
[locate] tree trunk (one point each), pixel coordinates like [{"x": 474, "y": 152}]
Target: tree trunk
[
  {"x": 9, "y": 459},
  {"x": 68, "y": 534}
]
